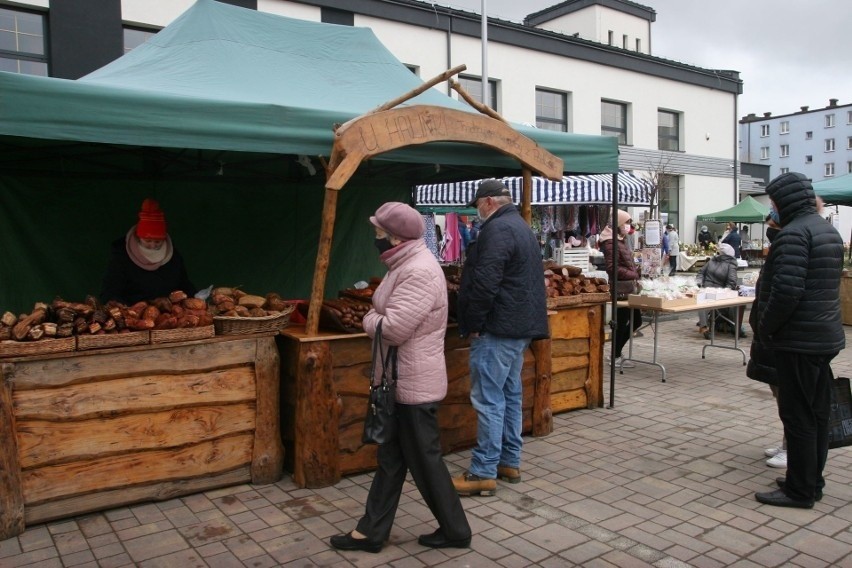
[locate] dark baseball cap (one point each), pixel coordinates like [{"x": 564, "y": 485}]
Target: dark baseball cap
[{"x": 490, "y": 188}]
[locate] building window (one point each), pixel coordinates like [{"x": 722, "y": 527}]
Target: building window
[
  {"x": 829, "y": 121},
  {"x": 849, "y": 167},
  {"x": 668, "y": 189},
  {"x": 639, "y": 48},
  {"x": 614, "y": 120},
  {"x": 809, "y": 135},
  {"x": 829, "y": 169},
  {"x": 809, "y": 159},
  {"x": 413, "y": 68},
  {"x": 764, "y": 152},
  {"x": 785, "y": 150},
  {"x": 785, "y": 170},
  {"x": 625, "y": 41},
  {"x": 849, "y": 117},
  {"x": 785, "y": 127},
  {"x": 134, "y": 37},
  {"x": 829, "y": 144},
  {"x": 473, "y": 85},
  {"x": 668, "y": 130},
  {"x": 610, "y": 38},
  {"x": 22, "y": 46},
  {"x": 551, "y": 110},
  {"x": 764, "y": 130},
  {"x": 849, "y": 142}
]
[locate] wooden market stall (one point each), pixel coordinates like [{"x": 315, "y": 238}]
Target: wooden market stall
[{"x": 90, "y": 430}]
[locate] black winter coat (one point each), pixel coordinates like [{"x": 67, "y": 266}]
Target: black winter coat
[
  {"x": 705, "y": 238},
  {"x": 798, "y": 304},
  {"x": 502, "y": 283},
  {"x": 761, "y": 361},
  {"x": 719, "y": 272},
  {"x": 126, "y": 282}
]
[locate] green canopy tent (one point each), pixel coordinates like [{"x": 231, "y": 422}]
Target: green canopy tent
[
  {"x": 220, "y": 116},
  {"x": 749, "y": 210},
  {"x": 836, "y": 190}
]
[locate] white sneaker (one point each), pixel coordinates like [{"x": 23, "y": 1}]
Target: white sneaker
[
  {"x": 771, "y": 452},
  {"x": 778, "y": 460},
  {"x": 622, "y": 364}
]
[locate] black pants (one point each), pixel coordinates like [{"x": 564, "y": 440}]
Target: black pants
[
  {"x": 417, "y": 448},
  {"x": 804, "y": 400},
  {"x": 622, "y": 326}
]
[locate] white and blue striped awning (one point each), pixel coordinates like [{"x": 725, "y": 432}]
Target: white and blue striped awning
[{"x": 588, "y": 189}]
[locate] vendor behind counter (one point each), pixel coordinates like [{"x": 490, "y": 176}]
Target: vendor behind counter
[{"x": 144, "y": 263}]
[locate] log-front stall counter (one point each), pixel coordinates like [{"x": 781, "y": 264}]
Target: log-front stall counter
[
  {"x": 83, "y": 431},
  {"x": 324, "y": 385}
]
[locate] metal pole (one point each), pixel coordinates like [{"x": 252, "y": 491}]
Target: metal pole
[{"x": 485, "y": 98}]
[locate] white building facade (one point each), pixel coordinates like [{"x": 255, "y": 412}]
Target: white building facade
[{"x": 580, "y": 66}]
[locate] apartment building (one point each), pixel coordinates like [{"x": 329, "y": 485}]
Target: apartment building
[{"x": 582, "y": 66}]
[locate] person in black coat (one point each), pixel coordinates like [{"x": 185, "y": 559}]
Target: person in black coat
[
  {"x": 502, "y": 307},
  {"x": 734, "y": 239},
  {"x": 704, "y": 237},
  {"x": 798, "y": 318},
  {"x": 719, "y": 272},
  {"x": 144, "y": 264}
]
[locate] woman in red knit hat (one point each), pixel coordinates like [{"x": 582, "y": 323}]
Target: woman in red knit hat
[{"x": 143, "y": 264}]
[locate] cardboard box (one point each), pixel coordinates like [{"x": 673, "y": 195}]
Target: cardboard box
[{"x": 637, "y": 301}]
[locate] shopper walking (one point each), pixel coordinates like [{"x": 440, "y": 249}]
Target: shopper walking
[
  {"x": 674, "y": 248},
  {"x": 502, "y": 307},
  {"x": 798, "y": 317},
  {"x": 411, "y": 304}
]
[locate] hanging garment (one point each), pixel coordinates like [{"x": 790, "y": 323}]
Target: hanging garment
[
  {"x": 431, "y": 235},
  {"x": 452, "y": 238}
]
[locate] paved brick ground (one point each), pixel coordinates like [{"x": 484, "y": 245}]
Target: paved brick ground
[{"x": 665, "y": 479}]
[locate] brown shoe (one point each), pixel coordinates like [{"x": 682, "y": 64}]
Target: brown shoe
[
  {"x": 703, "y": 330},
  {"x": 469, "y": 484},
  {"x": 510, "y": 474}
]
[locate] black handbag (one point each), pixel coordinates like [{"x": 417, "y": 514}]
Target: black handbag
[
  {"x": 380, "y": 424},
  {"x": 840, "y": 417}
]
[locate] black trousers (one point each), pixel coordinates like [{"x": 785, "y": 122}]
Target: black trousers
[
  {"x": 622, "y": 326},
  {"x": 418, "y": 449},
  {"x": 804, "y": 401}
]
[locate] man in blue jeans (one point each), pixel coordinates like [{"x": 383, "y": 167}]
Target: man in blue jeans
[{"x": 502, "y": 307}]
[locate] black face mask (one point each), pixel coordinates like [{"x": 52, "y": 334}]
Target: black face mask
[{"x": 383, "y": 245}]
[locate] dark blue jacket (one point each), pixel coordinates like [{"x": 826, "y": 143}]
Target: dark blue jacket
[
  {"x": 735, "y": 240},
  {"x": 798, "y": 302},
  {"x": 502, "y": 282}
]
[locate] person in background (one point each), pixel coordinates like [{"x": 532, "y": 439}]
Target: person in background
[
  {"x": 704, "y": 237},
  {"x": 733, "y": 238},
  {"x": 674, "y": 248},
  {"x": 719, "y": 272},
  {"x": 411, "y": 304},
  {"x": 502, "y": 307},
  {"x": 665, "y": 249},
  {"x": 144, "y": 264},
  {"x": 628, "y": 275},
  {"x": 464, "y": 233},
  {"x": 798, "y": 318}
]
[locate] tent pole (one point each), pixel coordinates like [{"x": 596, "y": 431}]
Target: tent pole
[
  {"x": 329, "y": 212},
  {"x": 613, "y": 290},
  {"x": 526, "y": 196}
]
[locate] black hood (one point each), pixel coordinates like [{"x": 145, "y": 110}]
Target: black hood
[{"x": 793, "y": 196}]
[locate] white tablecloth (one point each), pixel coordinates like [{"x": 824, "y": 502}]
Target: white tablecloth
[{"x": 685, "y": 262}]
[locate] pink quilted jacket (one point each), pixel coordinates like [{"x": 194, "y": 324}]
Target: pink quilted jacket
[{"x": 412, "y": 302}]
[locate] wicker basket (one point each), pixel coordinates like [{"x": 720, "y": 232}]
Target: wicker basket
[
  {"x": 181, "y": 334},
  {"x": 227, "y": 325},
  {"x": 562, "y": 301},
  {"x": 86, "y": 342},
  {"x": 40, "y": 347}
]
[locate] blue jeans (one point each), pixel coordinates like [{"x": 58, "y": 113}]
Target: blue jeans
[{"x": 496, "y": 394}]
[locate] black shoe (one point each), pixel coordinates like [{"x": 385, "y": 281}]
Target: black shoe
[
  {"x": 782, "y": 481},
  {"x": 778, "y": 498},
  {"x": 438, "y": 540},
  {"x": 348, "y": 542},
  {"x": 706, "y": 335}
]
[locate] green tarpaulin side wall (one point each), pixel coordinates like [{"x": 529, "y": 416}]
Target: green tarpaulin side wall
[
  {"x": 835, "y": 191},
  {"x": 749, "y": 210},
  {"x": 55, "y": 235}
]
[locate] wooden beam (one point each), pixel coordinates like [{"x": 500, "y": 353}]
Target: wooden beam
[
  {"x": 267, "y": 462},
  {"x": 542, "y": 413},
  {"x": 421, "y": 89},
  {"x": 526, "y": 197},
  {"x": 11, "y": 492},
  {"x": 329, "y": 213}
]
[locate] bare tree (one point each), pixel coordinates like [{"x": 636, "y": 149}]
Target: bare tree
[{"x": 659, "y": 176}]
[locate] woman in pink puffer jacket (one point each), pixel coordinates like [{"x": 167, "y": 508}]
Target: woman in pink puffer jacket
[{"x": 411, "y": 303}]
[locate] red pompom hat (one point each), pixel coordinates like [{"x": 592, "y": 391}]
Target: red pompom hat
[{"x": 152, "y": 221}]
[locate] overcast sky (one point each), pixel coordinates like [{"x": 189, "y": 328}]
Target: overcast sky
[{"x": 789, "y": 53}]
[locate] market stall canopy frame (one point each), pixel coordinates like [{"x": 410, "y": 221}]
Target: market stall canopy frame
[
  {"x": 576, "y": 189},
  {"x": 226, "y": 78},
  {"x": 749, "y": 210}
]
